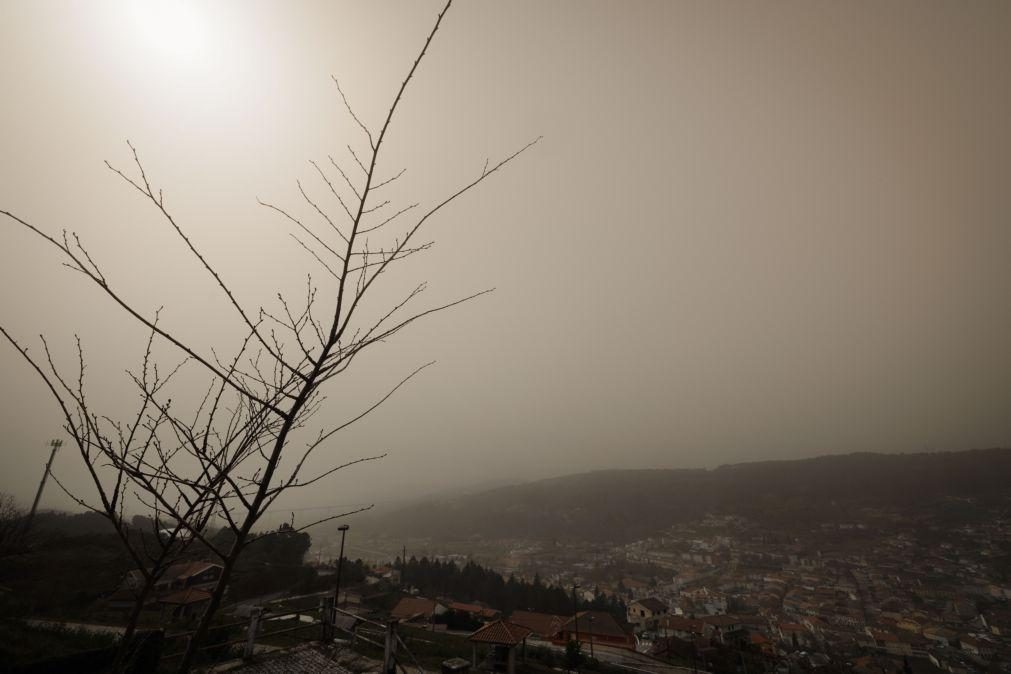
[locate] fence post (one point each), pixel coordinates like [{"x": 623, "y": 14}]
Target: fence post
[
  {"x": 390, "y": 649},
  {"x": 328, "y": 618},
  {"x": 254, "y": 624}
]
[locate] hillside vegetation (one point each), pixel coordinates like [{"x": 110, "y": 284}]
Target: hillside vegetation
[{"x": 630, "y": 504}]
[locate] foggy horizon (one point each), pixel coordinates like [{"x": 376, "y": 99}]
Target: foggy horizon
[
  {"x": 751, "y": 231},
  {"x": 528, "y": 337}
]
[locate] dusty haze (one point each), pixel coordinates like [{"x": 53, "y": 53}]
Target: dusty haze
[{"x": 752, "y": 230}]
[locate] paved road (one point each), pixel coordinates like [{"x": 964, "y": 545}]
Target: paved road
[{"x": 630, "y": 660}]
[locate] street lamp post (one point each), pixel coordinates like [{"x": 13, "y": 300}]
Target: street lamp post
[
  {"x": 591, "y": 637},
  {"x": 340, "y": 565},
  {"x": 575, "y": 618}
]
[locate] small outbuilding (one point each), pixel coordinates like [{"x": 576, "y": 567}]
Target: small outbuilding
[
  {"x": 597, "y": 627},
  {"x": 503, "y": 637}
]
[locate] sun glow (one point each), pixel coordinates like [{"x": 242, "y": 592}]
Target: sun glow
[{"x": 176, "y": 30}]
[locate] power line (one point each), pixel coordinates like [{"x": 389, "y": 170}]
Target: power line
[{"x": 320, "y": 507}]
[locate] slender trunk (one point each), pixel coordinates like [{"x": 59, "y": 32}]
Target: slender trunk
[
  {"x": 204, "y": 626},
  {"x": 253, "y": 511},
  {"x": 123, "y": 653},
  {"x": 310, "y": 381}
]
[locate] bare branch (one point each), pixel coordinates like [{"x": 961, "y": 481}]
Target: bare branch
[
  {"x": 344, "y": 175},
  {"x": 352, "y": 112},
  {"x": 388, "y": 180},
  {"x": 158, "y": 202},
  {"x": 149, "y": 323},
  {"x": 229, "y": 452}
]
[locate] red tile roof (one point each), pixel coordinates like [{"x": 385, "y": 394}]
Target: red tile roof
[
  {"x": 474, "y": 609},
  {"x": 879, "y": 635},
  {"x": 501, "y": 632},
  {"x": 184, "y": 570},
  {"x": 465, "y": 608},
  {"x": 792, "y": 627},
  {"x": 413, "y": 607},
  {"x": 653, "y": 604},
  {"x": 542, "y": 624},
  {"x": 720, "y": 620},
  {"x": 188, "y": 596},
  {"x": 680, "y": 623},
  {"x": 596, "y": 622}
]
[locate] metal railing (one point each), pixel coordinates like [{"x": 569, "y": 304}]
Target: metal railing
[
  {"x": 324, "y": 628},
  {"x": 256, "y": 629}
]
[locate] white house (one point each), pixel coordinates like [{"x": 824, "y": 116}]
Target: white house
[{"x": 643, "y": 613}]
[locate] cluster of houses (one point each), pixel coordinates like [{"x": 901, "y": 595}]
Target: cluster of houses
[
  {"x": 591, "y": 628},
  {"x": 598, "y": 627},
  {"x": 181, "y": 593},
  {"x": 890, "y": 639},
  {"x": 876, "y": 595},
  {"x": 879, "y": 602}
]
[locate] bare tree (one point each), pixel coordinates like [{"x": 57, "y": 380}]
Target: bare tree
[
  {"x": 236, "y": 451},
  {"x": 108, "y": 448},
  {"x": 12, "y": 527}
]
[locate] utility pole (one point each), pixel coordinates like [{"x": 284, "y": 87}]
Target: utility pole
[
  {"x": 340, "y": 565},
  {"x": 55, "y": 444},
  {"x": 575, "y": 623}
]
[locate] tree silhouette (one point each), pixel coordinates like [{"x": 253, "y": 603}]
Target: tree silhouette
[{"x": 231, "y": 456}]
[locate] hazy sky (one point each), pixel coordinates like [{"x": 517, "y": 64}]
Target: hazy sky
[{"x": 752, "y": 229}]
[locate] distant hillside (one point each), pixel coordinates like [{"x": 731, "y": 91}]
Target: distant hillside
[{"x": 629, "y": 504}]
